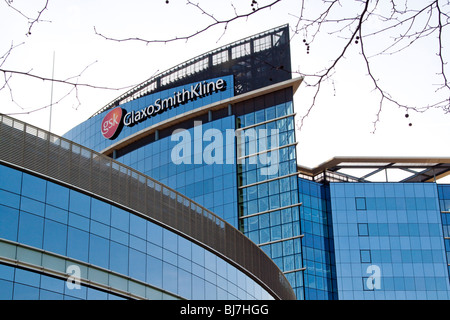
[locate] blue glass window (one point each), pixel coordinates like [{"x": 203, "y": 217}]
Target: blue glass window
[
  {"x": 154, "y": 233},
  {"x": 9, "y": 199},
  {"x": 55, "y": 237},
  {"x": 100, "y": 229},
  {"x": 138, "y": 226},
  {"x": 6, "y": 290},
  {"x": 57, "y": 195},
  {"x": 99, "y": 251},
  {"x": 34, "y": 187},
  {"x": 56, "y": 214},
  {"x": 360, "y": 203},
  {"x": 365, "y": 256},
  {"x": 137, "y": 265},
  {"x": 11, "y": 180},
  {"x": 198, "y": 288},
  {"x": 154, "y": 271},
  {"x": 184, "y": 284},
  {"x": 120, "y": 219},
  {"x": 80, "y": 203},
  {"x": 101, "y": 211},
  {"x": 31, "y": 229},
  {"x": 52, "y": 284},
  {"x": 24, "y": 292},
  {"x": 119, "y": 260},
  {"x": 170, "y": 277},
  {"x": 78, "y": 221},
  {"x": 9, "y": 222},
  {"x": 28, "y": 278},
  {"x": 93, "y": 294},
  {"x": 32, "y": 206},
  {"x": 49, "y": 295},
  {"x": 80, "y": 293},
  {"x": 77, "y": 244}
]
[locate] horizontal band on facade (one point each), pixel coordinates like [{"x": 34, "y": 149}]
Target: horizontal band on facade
[
  {"x": 271, "y": 210},
  {"x": 281, "y": 240},
  {"x": 267, "y": 151},
  {"x": 267, "y": 121},
  {"x": 268, "y": 180},
  {"x": 49, "y": 262},
  {"x": 294, "y": 83},
  {"x": 295, "y": 270}
]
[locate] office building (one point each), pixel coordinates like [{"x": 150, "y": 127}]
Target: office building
[{"x": 203, "y": 156}]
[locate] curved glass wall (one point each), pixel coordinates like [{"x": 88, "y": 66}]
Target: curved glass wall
[
  {"x": 182, "y": 162},
  {"x": 213, "y": 186},
  {"x": 41, "y": 214},
  {"x": 21, "y": 284}
]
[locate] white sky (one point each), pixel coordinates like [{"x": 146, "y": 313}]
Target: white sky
[{"x": 339, "y": 125}]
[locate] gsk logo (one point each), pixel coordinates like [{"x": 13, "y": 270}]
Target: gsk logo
[{"x": 112, "y": 123}]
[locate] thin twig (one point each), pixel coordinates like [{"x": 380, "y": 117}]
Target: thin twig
[{"x": 187, "y": 37}]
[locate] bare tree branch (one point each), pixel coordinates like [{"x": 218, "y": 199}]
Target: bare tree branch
[
  {"x": 402, "y": 24},
  {"x": 446, "y": 84},
  {"x": 383, "y": 94},
  {"x": 326, "y": 73},
  {"x": 410, "y": 24},
  {"x": 8, "y": 53},
  {"x": 66, "y": 82},
  {"x": 31, "y": 21},
  {"x": 215, "y": 23},
  {"x": 38, "y": 17},
  {"x": 73, "y": 87}
]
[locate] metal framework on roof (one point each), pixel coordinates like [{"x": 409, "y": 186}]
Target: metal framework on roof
[
  {"x": 378, "y": 169},
  {"x": 255, "y": 62}
]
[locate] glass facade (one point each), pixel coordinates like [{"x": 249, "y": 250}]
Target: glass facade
[
  {"x": 388, "y": 241},
  {"x": 318, "y": 245},
  {"x": 198, "y": 162},
  {"x": 444, "y": 204},
  {"x": 21, "y": 284},
  {"x": 267, "y": 181},
  {"x": 48, "y": 220}
]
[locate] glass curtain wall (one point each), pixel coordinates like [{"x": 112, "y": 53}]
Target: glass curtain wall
[
  {"x": 48, "y": 219},
  {"x": 318, "y": 245},
  {"x": 444, "y": 202},
  {"x": 197, "y": 160},
  {"x": 267, "y": 181},
  {"x": 388, "y": 241}
]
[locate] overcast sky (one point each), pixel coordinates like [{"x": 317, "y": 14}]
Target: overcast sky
[{"x": 340, "y": 124}]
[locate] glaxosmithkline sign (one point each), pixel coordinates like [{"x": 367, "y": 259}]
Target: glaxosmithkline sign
[{"x": 117, "y": 118}]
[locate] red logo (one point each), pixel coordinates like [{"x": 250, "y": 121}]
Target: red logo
[{"x": 111, "y": 123}]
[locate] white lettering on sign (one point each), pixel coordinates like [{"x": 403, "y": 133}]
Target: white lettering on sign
[{"x": 199, "y": 90}]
